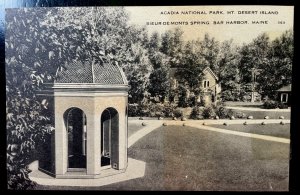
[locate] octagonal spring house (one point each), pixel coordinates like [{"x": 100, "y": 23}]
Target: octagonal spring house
[{"x": 88, "y": 104}]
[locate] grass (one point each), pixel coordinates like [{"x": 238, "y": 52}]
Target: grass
[
  {"x": 262, "y": 114},
  {"x": 276, "y": 130},
  {"x": 134, "y": 127},
  {"x": 187, "y": 158},
  {"x": 244, "y": 104}
]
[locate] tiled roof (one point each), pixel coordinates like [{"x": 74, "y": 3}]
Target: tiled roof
[
  {"x": 79, "y": 72},
  {"x": 286, "y": 88}
]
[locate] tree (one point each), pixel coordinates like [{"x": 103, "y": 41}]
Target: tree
[
  {"x": 190, "y": 70},
  {"x": 266, "y": 66},
  {"x": 254, "y": 57},
  {"x": 138, "y": 73},
  {"x": 229, "y": 73},
  {"x": 159, "y": 78},
  {"x": 172, "y": 45},
  {"x": 277, "y": 72},
  {"x": 208, "y": 50},
  {"x": 25, "y": 125}
]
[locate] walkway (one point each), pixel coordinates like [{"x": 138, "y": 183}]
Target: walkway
[
  {"x": 153, "y": 124},
  {"x": 135, "y": 169},
  {"x": 258, "y": 109}
]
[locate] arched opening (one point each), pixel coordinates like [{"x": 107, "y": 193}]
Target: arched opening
[
  {"x": 110, "y": 138},
  {"x": 76, "y": 138}
]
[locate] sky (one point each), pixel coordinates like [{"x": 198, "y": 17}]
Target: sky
[{"x": 276, "y": 20}]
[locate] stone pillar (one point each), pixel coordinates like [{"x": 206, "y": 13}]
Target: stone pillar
[
  {"x": 61, "y": 149},
  {"x": 93, "y": 144},
  {"x": 122, "y": 135}
]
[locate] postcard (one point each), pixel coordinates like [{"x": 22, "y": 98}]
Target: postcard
[{"x": 187, "y": 98}]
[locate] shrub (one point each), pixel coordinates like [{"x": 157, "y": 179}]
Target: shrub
[
  {"x": 177, "y": 113},
  {"x": 21, "y": 181},
  {"x": 197, "y": 113},
  {"x": 202, "y": 101},
  {"x": 223, "y": 112},
  {"x": 191, "y": 101},
  {"x": 133, "y": 110},
  {"x": 239, "y": 114},
  {"x": 144, "y": 110},
  {"x": 169, "y": 110},
  {"x": 270, "y": 104},
  {"x": 25, "y": 128},
  {"x": 227, "y": 95},
  {"x": 182, "y": 96},
  {"x": 156, "y": 109},
  {"x": 282, "y": 105},
  {"x": 208, "y": 112}
]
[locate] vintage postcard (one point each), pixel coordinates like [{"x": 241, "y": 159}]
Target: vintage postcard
[{"x": 189, "y": 98}]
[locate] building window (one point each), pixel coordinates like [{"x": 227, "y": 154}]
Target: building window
[
  {"x": 206, "y": 84},
  {"x": 284, "y": 97}
]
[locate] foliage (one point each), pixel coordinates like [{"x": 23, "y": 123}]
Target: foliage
[
  {"x": 278, "y": 71},
  {"x": 25, "y": 121},
  {"x": 133, "y": 110},
  {"x": 177, "y": 113},
  {"x": 159, "y": 77},
  {"x": 151, "y": 109},
  {"x": 208, "y": 112},
  {"x": 208, "y": 49},
  {"x": 172, "y": 45},
  {"x": 191, "y": 101},
  {"x": 182, "y": 96},
  {"x": 238, "y": 114},
  {"x": 197, "y": 112},
  {"x": 229, "y": 73},
  {"x": 270, "y": 104},
  {"x": 156, "y": 110},
  {"x": 169, "y": 109},
  {"x": 190, "y": 69},
  {"x": 267, "y": 65},
  {"x": 227, "y": 95},
  {"x": 282, "y": 105},
  {"x": 223, "y": 112}
]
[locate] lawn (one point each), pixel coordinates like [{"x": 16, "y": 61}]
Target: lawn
[
  {"x": 262, "y": 114},
  {"x": 133, "y": 127},
  {"x": 186, "y": 158},
  {"x": 244, "y": 104},
  {"x": 276, "y": 130}
]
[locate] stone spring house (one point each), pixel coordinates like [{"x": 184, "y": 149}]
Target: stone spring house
[
  {"x": 89, "y": 105},
  {"x": 211, "y": 88},
  {"x": 284, "y": 94}
]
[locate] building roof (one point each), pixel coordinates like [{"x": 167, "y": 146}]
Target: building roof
[
  {"x": 86, "y": 72},
  {"x": 286, "y": 88},
  {"x": 207, "y": 69}
]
